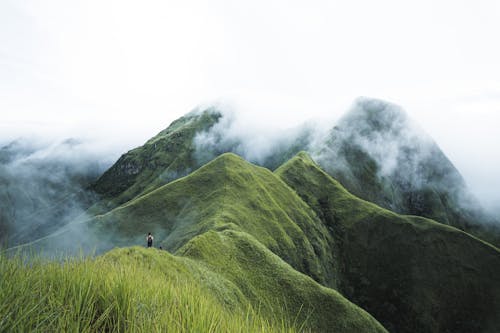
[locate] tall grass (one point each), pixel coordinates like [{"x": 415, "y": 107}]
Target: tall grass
[{"x": 89, "y": 295}]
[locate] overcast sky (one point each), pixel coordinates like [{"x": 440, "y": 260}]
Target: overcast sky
[{"x": 120, "y": 71}]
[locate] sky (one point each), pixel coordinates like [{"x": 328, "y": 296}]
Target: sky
[{"x": 118, "y": 72}]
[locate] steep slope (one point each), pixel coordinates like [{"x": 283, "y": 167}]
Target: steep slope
[
  {"x": 268, "y": 282},
  {"x": 188, "y": 143},
  {"x": 225, "y": 194},
  {"x": 163, "y": 158},
  {"x": 375, "y": 151},
  {"x": 411, "y": 273},
  {"x": 257, "y": 240},
  {"x": 378, "y": 153}
]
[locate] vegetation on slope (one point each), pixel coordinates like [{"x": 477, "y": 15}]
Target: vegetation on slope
[
  {"x": 380, "y": 155},
  {"x": 227, "y": 193},
  {"x": 244, "y": 224},
  {"x": 412, "y": 274},
  {"x": 248, "y": 235},
  {"x": 224, "y": 282},
  {"x": 163, "y": 158},
  {"x": 128, "y": 290}
]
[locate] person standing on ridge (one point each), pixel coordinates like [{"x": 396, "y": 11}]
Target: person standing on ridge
[{"x": 150, "y": 239}]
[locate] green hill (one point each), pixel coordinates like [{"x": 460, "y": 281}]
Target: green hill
[
  {"x": 245, "y": 235},
  {"x": 165, "y": 157},
  {"x": 269, "y": 239},
  {"x": 376, "y": 151},
  {"x": 411, "y": 273}
]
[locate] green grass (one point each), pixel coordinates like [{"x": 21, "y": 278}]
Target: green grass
[
  {"x": 135, "y": 290},
  {"x": 226, "y": 194},
  {"x": 411, "y": 273},
  {"x": 276, "y": 241},
  {"x": 247, "y": 236}
]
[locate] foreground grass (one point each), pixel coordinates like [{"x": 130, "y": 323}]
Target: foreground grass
[{"x": 100, "y": 295}]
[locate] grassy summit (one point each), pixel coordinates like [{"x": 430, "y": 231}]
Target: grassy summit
[{"x": 411, "y": 273}]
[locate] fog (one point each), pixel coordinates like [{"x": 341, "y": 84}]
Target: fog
[
  {"x": 45, "y": 185},
  {"x": 112, "y": 74}
]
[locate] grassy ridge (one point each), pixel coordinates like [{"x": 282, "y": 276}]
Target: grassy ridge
[
  {"x": 132, "y": 290},
  {"x": 227, "y": 193},
  {"x": 247, "y": 236},
  {"x": 253, "y": 238},
  {"x": 137, "y": 290},
  {"x": 411, "y": 273}
]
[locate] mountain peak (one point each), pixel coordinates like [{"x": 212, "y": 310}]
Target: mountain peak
[
  {"x": 167, "y": 156},
  {"x": 375, "y": 115}
]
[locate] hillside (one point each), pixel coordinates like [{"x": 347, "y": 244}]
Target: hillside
[
  {"x": 163, "y": 158},
  {"x": 411, "y": 273},
  {"x": 248, "y": 237},
  {"x": 379, "y": 154},
  {"x": 225, "y": 194},
  {"x": 292, "y": 246},
  {"x": 376, "y": 151},
  {"x": 269, "y": 233}
]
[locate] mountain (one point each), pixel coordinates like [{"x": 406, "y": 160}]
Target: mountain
[
  {"x": 376, "y": 151},
  {"x": 268, "y": 232},
  {"x": 178, "y": 150},
  {"x": 165, "y": 157},
  {"x": 244, "y": 225},
  {"x": 379, "y": 154},
  {"x": 305, "y": 243},
  {"x": 411, "y": 273}
]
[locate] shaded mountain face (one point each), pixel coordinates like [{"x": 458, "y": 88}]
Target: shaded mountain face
[
  {"x": 43, "y": 187},
  {"x": 412, "y": 274},
  {"x": 380, "y": 155}
]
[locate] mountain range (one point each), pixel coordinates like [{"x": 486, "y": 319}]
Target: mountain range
[{"x": 365, "y": 228}]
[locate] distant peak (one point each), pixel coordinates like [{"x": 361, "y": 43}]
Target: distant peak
[{"x": 376, "y": 114}]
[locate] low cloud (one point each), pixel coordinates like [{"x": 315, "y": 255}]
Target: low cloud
[{"x": 45, "y": 186}]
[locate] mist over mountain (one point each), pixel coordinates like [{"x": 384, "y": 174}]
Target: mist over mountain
[
  {"x": 365, "y": 215},
  {"x": 378, "y": 153},
  {"x": 44, "y": 185},
  {"x": 375, "y": 150}
]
